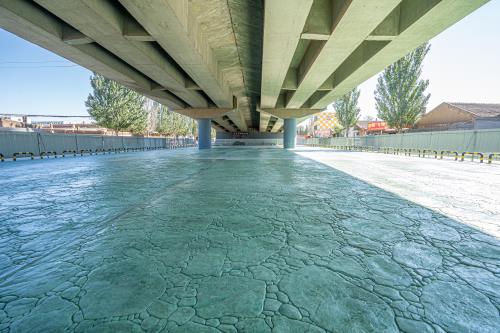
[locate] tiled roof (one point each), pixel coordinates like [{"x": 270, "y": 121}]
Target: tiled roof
[{"x": 479, "y": 109}]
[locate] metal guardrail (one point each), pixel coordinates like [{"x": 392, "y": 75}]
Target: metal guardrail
[
  {"x": 48, "y": 153},
  {"x": 430, "y": 151},
  {"x": 408, "y": 151},
  {"x": 165, "y": 144},
  {"x": 85, "y": 151},
  {"x": 472, "y": 154},
  {"x": 448, "y": 152},
  {"x": 23, "y": 154},
  {"x": 68, "y": 152},
  {"x": 490, "y": 157}
]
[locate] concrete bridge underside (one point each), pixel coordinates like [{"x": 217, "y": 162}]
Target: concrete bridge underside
[{"x": 243, "y": 65}]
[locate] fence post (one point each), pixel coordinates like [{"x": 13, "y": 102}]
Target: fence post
[
  {"x": 474, "y": 140},
  {"x": 38, "y": 143}
]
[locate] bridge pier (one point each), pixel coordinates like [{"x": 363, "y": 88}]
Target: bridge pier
[
  {"x": 204, "y": 133},
  {"x": 290, "y": 133}
]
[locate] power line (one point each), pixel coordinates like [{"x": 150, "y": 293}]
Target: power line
[
  {"x": 40, "y": 115},
  {"x": 33, "y": 62},
  {"x": 36, "y": 67}
]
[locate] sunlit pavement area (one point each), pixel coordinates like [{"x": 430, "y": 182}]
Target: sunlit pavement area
[
  {"x": 249, "y": 240},
  {"x": 467, "y": 192}
]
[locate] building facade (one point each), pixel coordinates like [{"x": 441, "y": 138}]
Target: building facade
[
  {"x": 324, "y": 124},
  {"x": 451, "y": 116}
]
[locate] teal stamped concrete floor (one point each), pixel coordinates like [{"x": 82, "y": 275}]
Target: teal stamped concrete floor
[{"x": 231, "y": 240}]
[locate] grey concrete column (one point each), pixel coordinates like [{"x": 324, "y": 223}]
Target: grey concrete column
[
  {"x": 290, "y": 133},
  {"x": 204, "y": 133}
]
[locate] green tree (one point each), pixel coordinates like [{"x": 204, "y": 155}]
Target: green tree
[
  {"x": 347, "y": 110},
  {"x": 116, "y": 107},
  {"x": 171, "y": 123},
  {"x": 400, "y": 93}
]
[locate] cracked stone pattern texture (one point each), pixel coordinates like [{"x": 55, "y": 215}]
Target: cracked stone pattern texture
[
  {"x": 464, "y": 191},
  {"x": 232, "y": 240}
]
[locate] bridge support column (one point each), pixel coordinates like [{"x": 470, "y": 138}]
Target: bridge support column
[
  {"x": 204, "y": 131},
  {"x": 290, "y": 133}
]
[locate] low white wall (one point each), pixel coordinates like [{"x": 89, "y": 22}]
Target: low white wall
[
  {"x": 248, "y": 142},
  {"x": 12, "y": 142},
  {"x": 487, "y": 140}
]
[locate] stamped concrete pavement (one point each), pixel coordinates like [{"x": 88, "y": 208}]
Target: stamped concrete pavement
[{"x": 232, "y": 240}]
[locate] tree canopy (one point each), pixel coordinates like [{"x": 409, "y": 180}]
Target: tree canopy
[
  {"x": 400, "y": 93},
  {"x": 347, "y": 110},
  {"x": 116, "y": 107},
  {"x": 169, "y": 123}
]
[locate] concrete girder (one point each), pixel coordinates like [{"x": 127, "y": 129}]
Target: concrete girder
[
  {"x": 277, "y": 126},
  {"x": 419, "y": 21},
  {"x": 237, "y": 117},
  {"x": 74, "y": 37},
  {"x": 284, "y": 22},
  {"x": 264, "y": 121},
  {"x": 234, "y": 127},
  {"x": 226, "y": 123},
  {"x": 272, "y": 122},
  {"x": 289, "y": 113},
  {"x": 202, "y": 113},
  {"x": 105, "y": 24},
  {"x": 351, "y": 26},
  {"x": 245, "y": 113},
  {"x": 218, "y": 127},
  {"x": 134, "y": 31},
  {"x": 172, "y": 27},
  {"x": 26, "y": 20}
]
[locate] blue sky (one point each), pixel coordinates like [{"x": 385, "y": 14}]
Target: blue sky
[{"x": 462, "y": 66}]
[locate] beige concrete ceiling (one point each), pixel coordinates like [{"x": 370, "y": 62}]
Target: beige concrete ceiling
[{"x": 256, "y": 62}]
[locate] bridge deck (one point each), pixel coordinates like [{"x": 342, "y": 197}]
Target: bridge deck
[{"x": 234, "y": 239}]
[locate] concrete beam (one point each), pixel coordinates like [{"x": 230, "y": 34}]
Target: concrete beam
[
  {"x": 389, "y": 28},
  {"x": 278, "y": 125},
  {"x": 104, "y": 23},
  {"x": 264, "y": 121},
  {"x": 312, "y": 36},
  {"x": 218, "y": 127},
  {"x": 284, "y": 21},
  {"x": 419, "y": 21},
  {"x": 237, "y": 117},
  {"x": 134, "y": 31},
  {"x": 290, "y": 82},
  {"x": 74, "y": 37},
  {"x": 271, "y": 123},
  {"x": 172, "y": 27},
  {"x": 351, "y": 26},
  {"x": 231, "y": 123},
  {"x": 244, "y": 113},
  {"x": 27, "y": 21},
  {"x": 319, "y": 21},
  {"x": 223, "y": 124},
  {"x": 199, "y": 113},
  {"x": 289, "y": 113},
  {"x": 191, "y": 85}
]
